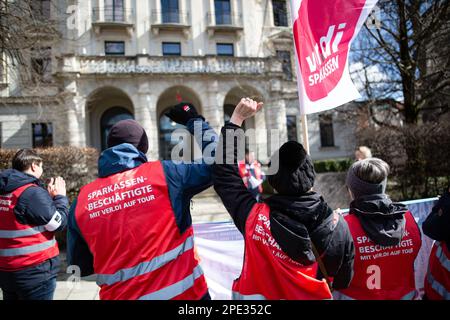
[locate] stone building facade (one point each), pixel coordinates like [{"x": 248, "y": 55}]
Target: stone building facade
[{"x": 118, "y": 59}]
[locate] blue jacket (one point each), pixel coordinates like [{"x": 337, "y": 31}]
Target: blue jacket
[{"x": 183, "y": 181}]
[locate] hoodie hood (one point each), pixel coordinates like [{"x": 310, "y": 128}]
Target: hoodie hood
[
  {"x": 382, "y": 220},
  {"x": 298, "y": 221},
  {"x": 11, "y": 179},
  {"x": 119, "y": 158}
]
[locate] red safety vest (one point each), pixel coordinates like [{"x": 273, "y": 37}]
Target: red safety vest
[
  {"x": 437, "y": 281},
  {"x": 383, "y": 273},
  {"x": 129, "y": 225},
  {"x": 267, "y": 272},
  {"x": 245, "y": 173},
  {"x": 21, "y": 245}
]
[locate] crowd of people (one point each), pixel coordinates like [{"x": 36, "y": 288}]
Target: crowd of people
[{"x": 142, "y": 245}]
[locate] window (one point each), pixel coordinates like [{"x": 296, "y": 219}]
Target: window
[
  {"x": 326, "y": 130},
  {"x": 225, "y": 49},
  {"x": 171, "y": 49},
  {"x": 42, "y": 135},
  {"x": 41, "y": 8},
  {"x": 222, "y": 11},
  {"x": 114, "y": 48},
  {"x": 170, "y": 11},
  {"x": 285, "y": 57},
  {"x": 279, "y": 13},
  {"x": 41, "y": 64},
  {"x": 291, "y": 122},
  {"x": 114, "y": 10}
]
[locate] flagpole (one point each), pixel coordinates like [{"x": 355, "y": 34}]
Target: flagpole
[{"x": 305, "y": 133}]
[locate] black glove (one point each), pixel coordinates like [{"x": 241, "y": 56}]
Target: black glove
[{"x": 182, "y": 113}]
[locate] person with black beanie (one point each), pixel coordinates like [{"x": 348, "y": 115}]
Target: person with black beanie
[
  {"x": 309, "y": 244},
  {"x": 132, "y": 226}
]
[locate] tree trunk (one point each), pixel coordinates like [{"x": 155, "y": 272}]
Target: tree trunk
[{"x": 406, "y": 67}]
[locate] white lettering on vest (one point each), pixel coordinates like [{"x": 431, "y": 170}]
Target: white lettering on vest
[
  {"x": 117, "y": 186},
  {"x": 118, "y": 197},
  {"x": 4, "y": 202}
]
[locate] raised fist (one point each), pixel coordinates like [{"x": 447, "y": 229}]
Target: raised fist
[{"x": 245, "y": 109}]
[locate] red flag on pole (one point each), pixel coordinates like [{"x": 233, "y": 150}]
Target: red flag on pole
[{"x": 323, "y": 32}]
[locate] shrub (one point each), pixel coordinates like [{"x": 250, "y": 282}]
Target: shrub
[
  {"x": 332, "y": 165},
  {"x": 78, "y": 166},
  {"x": 418, "y": 155}
]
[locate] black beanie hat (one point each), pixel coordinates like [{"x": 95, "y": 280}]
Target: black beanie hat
[
  {"x": 128, "y": 131},
  {"x": 295, "y": 175}
]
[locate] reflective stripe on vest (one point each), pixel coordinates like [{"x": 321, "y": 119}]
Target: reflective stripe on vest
[
  {"x": 443, "y": 260},
  {"x": 340, "y": 296},
  {"x": 438, "y": 287},
  {"x": 409, "y": 296},
  {"x": 28, "y": 249},
  {"x": 145, "y": 267},
  {"x": 238, "y": 296},
  {"x": 11, "y": 234},
  {"x": 175, "y": 289}
]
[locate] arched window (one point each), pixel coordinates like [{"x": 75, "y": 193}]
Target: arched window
[
  {"x": 109, "y": 118},
  {"x": 166, "y": 144}
]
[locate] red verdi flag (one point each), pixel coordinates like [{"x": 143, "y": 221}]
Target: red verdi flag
[{"x": 323, "y": 32}]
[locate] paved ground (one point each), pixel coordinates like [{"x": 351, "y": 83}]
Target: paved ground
[{"x": 86, "y": 290}]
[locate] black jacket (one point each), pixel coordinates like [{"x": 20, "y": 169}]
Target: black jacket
[
  {"x": 382, "y": 220},
  {"x": 35, "y": 206},
  {"x": 296, "y": 221},
  {"x": 437, "y": 224}
]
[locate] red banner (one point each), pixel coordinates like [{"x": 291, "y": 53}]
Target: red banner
[{"x": 323, "y": 32}]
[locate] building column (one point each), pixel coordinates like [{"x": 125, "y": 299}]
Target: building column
[
  {"x": 74, "y": 126},
  {"x": 158, "y": 12},
  {"x": 145, "y": 114},
  {"x": 213, "y": 108}
]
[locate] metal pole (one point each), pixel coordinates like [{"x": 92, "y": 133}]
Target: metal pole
[{"x": 305, "y": 133}]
